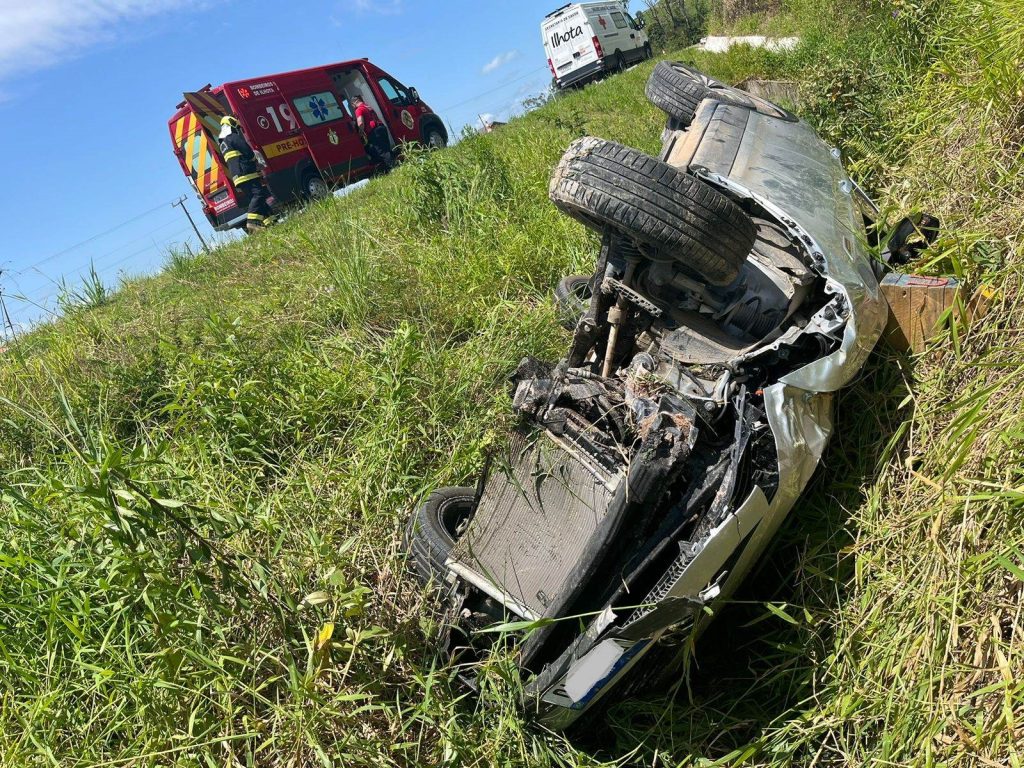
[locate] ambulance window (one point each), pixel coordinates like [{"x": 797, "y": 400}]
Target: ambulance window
[
  {"x": 631, "y": 22},
  {"x": 620, "y": 22},
  {"x": 395, "y": 93},
  {"x": 318, "y": 108}
]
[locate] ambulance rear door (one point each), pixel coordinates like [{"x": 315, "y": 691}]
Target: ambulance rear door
[{"x": 195, "y": 139}]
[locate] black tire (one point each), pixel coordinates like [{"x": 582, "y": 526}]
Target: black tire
[
  {"x": 433, "y": 529},
  {"x": 648, "y": 53},
  {"x": 434, "y": 136},
  {"x": 677, "y": 90},
  {"x": 602, "y": 184},
  {"x": 620, "y": 62},
  {"x": 675, "y": 93},
  {"x": 314, "y": 187},
  {"x": 572, "y": 297}
]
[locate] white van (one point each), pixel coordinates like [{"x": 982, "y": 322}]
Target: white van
[{"x": 582, "y": 40}]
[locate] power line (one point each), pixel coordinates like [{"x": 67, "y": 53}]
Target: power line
[
  {"x": 120, "y": 247},
  {"x": 141, "y": 250},
  {"x": 180, "y": 202},
  {"x": 88, "y": 240},
  {"x": 8, "y": 325},
  {"x": 493, "y": 90},
  {"x": 81, "y": 266},
  {"x": 37, "y": 299}
]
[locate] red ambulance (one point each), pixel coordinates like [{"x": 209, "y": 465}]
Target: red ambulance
[{"x": 303, "y": 125}]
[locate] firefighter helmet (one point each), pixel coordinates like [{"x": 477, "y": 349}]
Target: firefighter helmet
[{"x": 229, "y": 121}]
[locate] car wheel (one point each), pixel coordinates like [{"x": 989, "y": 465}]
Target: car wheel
[
  {"x": 675, "y": 93},
  {"x": 434, "y": 527},
  {"x": 314, "y": 187},
  {"x": 572, "y": 297},
  {"x": 602, "y": 184},
  {"x": 436, "y": 139},
  {"x": 677, "y": 90},
  {"x": 620, "y": 62}
]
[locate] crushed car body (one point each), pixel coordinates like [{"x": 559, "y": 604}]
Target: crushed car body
[{"x": 733, "y": 296}]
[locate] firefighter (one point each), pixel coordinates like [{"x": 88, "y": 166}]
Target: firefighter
[
  {"x": 245, "y": 172},
  {"x": 374, "y": 133}
]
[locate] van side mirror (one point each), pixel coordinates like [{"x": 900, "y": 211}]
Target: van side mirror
[
  {"x": 415, "y": 95},
  {"x": 640, "y": 23}
]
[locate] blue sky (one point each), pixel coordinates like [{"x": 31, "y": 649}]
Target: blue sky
[{"x": 87, "y": 87}]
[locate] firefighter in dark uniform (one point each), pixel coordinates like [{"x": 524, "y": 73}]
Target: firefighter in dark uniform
[{"x": 244, "y": 170}]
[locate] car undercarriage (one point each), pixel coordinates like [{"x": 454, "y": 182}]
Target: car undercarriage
[{"x": 651, "y": 465}]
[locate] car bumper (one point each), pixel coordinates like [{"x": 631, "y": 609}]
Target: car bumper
[{"x": 581, "y": 75}]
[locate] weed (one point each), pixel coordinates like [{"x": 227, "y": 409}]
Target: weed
[{"x": 207, "y": 472}]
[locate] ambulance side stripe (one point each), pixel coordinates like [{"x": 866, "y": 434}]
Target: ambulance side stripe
[
  {"x": 203, "y": 159},
  {"x": 190, "y": 145}
]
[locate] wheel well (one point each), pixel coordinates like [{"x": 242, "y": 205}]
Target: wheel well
[
  {"x": 431, "y": 123},
  {"x": 303, "y": 170}
]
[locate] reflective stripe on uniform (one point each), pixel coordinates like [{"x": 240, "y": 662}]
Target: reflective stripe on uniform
[
  {"x": 232, "y": 154},
  {"x": 242, "y": 179},
  {"x": 256, "y": 217}
]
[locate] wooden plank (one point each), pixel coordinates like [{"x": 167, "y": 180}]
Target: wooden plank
[{"x": 916, "y": 305}]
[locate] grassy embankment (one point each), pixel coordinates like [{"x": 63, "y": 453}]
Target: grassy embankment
[{"x": 206, "y": 476}]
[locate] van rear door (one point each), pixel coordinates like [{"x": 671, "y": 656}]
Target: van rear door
[
  {"x": 569, "y": 41},
  {"x": 192, "y": 134}
]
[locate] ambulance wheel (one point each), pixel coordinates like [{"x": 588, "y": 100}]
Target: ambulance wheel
[
  {"x": 314, "y": 187},
  {"x": 434, "y": 528},
  {"x": 620, "y": 62},
  {"x": 648, "y": 53},
  {"x": 436, "y": 138},
  {"x": 663, "y": 209}
]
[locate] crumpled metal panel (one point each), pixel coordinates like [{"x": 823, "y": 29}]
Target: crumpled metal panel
[
  {"x": 801, "y": 423},
  {"x": 785, "y": 167}
]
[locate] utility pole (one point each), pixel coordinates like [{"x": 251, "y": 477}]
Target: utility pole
[
  {"x": 181, "y": 202},
  {"x": 8, "y": 325}
]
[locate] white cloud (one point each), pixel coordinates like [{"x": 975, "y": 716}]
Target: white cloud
[
  {"x": 499, "y": 61},
  {"x": 377, "y": 7},
  {"x": 43, "y": 33}
]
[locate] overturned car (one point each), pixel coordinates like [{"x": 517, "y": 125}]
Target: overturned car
[{"x": 733, "y": 295}]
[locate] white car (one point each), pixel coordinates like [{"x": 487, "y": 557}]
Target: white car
[
  {"x": 733, "y": 296},
  {"x": 584, "y": 40}
]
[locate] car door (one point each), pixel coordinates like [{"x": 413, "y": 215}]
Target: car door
[
  {"x": 330, "y": 131},
  {"x": 402, "y": 113},
  {"x": 610, "y": 32},
  {"x": 615, "y": 34},
  {"x": 637, "y": 38}
]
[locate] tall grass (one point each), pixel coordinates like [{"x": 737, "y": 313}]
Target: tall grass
[{"x": 206, "y": 474}]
